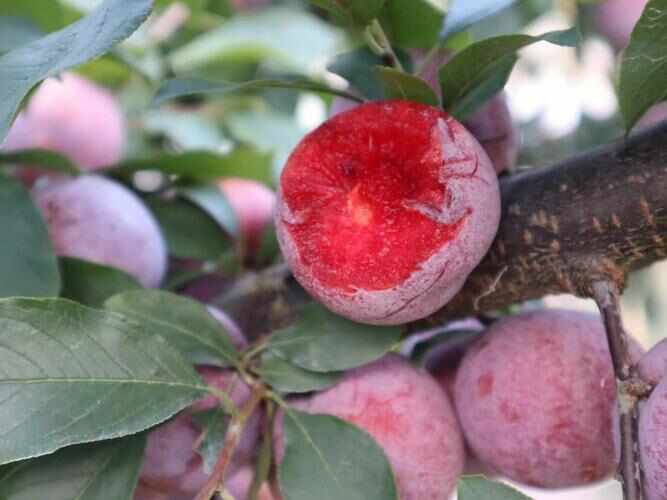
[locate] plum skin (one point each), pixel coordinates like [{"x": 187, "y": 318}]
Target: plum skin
[
  {"x": 536, "y": 397},
  {"x": 72, "y": 116},
  {"x": 653, "y": 443},
  {"x": 617, "y": 18},
  {"x": 253, "y": 203},
  {"x": 96, "y": 219},
  {"x": 491, "y": 124},
  {"x": 652, "y": 367},
  {"x": 407, "y": 414},
  {"x": 428, "y": 287}
]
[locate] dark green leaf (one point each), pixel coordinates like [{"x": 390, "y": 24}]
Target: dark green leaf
[
  {"x": 481, "y": 69},
  {"x": 480, "y": 488},
  {"x": 321, "y": 341},
  {"x": 413, "y": 23},
  {"x": 399, "y": 85},
  {"x": 70, "y": 374},
  {"x": 17, "y": 31},
  {"x": 643, "y": 80},
  {"x": 287, "y": 37},
  {"x": 357, "y": 67},
  {"x": 47, "y": 160},
  {"x": 172, "y": 89},
  {"x": 91, "y": 284},
  {"x": 329, "y": 459},
  {"x": 285, "y": 377},
  {"x": 100, "y": 471},
  {"x": 359, "y": 12},
  {"x": 189, "y": 231},
  {"x": 185, "y": 323},
  {"x": 22, "y": 68},
  {"x": 214, "y": 425},
  {"x": 268, "y": 248},
  {"x": 28, "y": 264},
  {"x": 203, "y": 166},
  {"x": 495, "y": 81},
  {"x": 463, "y": 13},
  {"x": 214, "y": 203}
]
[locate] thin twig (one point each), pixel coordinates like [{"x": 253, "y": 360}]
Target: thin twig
[
  {"x": 379, "y": 42},
  {"x": 265, "y": 454},
  {"x": 232, "y": 438},
  {"x": 606, "y": 295}
]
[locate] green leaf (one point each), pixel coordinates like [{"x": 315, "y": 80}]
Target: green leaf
[
  {"x": 172, "y": 89},
  {"x": 321, "y": 341},
  {"x": 204, "y": 166},
  {"x": 28, "y": 264},
  {"x": 48, "y": 16},
  {"x": 488, "y": 88},
  {"x": 269, "y": 249},
  {"x": 47, "y": 160},
  {"x": 268, "y": 131},
  {"x": 329, "y": 459},
  {"x": 212, "y": 201},
  {"x": 413, "y": 23},
  {"x": 189, "y": 231},
  {"x": 184, "y": 323},
  {"x": 17, "y": 31},
  {"x": 399, "y": 85},
  {"x": 100, "y": 471},
  {"x": 70, "y": 374},
  {"x": 185, "y": 130},
  {"x": 358, "y": 12},
  {"x": 286, "y": 378},
  {"x": 91, "y": 284},
  {"x": 480, "y": 488},
  {"x": 643, "y": 79},
  {"x": 287, "y": 37},
  {"x": 358, "y": 68},
  {"x": 462, "y": 13},
  {"x": 22, "y": 68},
  {"x": 214, "y": 425},
  {"x": 481, "y": 69}
]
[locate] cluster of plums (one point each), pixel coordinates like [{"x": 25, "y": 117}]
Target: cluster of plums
[
  {"x": 532, "y": 399},
  {"x": 92, "y": 217}
]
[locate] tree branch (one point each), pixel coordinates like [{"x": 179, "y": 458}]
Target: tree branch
[
  {"x": 606, "y": 296},
  {"x": 232, "y": 438},
  {"x": 603, "y": 212}
]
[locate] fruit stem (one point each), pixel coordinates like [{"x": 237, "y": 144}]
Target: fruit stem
[
  {"x": 433, "y": 51},
  {"x": 263, "y": 468},
  {"x": 379, "y": 43},
  {"x": 234, "y": 431},
  {"x": 607, "y": 296}
]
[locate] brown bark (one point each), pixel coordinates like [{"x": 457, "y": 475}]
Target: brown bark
[
  {"x": 603, "y": 213},
  {"x": 607, "y": 298}
]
